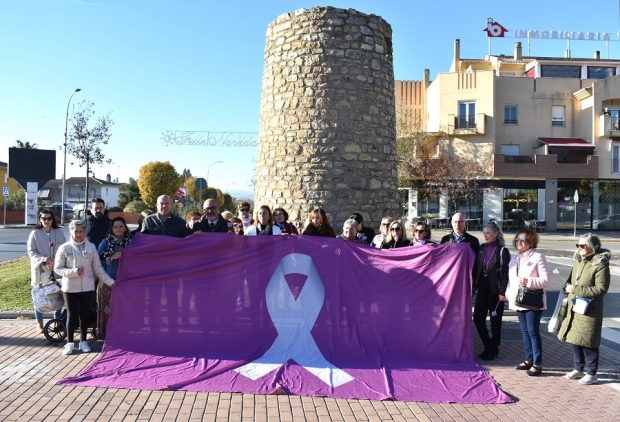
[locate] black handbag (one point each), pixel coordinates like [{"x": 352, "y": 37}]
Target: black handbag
[{"x": 531, "y": 299}]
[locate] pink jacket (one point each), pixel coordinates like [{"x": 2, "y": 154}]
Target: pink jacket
[{"x": 533, "y": 266}]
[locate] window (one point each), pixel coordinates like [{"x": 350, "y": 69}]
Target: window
[
  {"x": 596, "y": 72},
  {"x": 106, "y": 191},
  {"x": 615, "y": 160},
  {"x": 558, "y": 116},
  {"x": 510, "y": 115},
  {"x": 615, "y": 119},
  {"x": 467, "y": 115},
  {"x": 557, "y": 71},
  {"x": 510, "y": 149}
]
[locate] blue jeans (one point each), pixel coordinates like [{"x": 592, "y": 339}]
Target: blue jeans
[
  {"x": 39, "y": 316},
  {"x": 532, "y": 342}
]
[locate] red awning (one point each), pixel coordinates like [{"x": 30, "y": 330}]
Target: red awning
[{"x": 570, "y": 143}]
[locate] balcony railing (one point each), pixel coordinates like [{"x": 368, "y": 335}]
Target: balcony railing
[
  {"x": 465, "y": 122},
  {"x": 510, "y": 122},
  {"x": 558, "y": 123}
]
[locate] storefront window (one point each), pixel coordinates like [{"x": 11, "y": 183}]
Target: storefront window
[
  {"x": 567, "y": 207},
  {"x": 428, "y": 204},
  {"x": 606, "y": 209},
  {"x": 469, "y": 205},
  {"x": 520, "y": 205}
]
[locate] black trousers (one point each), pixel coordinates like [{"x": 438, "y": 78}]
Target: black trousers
[
  {"x": 586, "y": 356},
  {"x": 77, "y": 307},
  {"x": 485, "y": 304}
]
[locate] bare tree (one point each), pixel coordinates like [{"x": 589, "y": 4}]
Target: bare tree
[{"x": 85, "y": 142}]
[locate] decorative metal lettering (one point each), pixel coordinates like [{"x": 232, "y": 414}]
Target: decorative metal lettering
[{"x": 209, "y": 139}]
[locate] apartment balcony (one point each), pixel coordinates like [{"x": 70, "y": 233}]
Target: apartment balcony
[
  {"x": 545, "y": 167},
  {"x": 466, "y": 125},
  {"x": 610, "y": 126}
]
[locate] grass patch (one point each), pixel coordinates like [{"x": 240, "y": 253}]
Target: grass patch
[{"x": 15, "y": 285}]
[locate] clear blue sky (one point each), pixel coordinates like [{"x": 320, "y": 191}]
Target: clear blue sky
[{"x": 197, "y": 65}]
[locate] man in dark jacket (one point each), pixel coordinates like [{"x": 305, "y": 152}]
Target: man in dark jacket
[
  {"x": 164, "y": 222},
  {"x": 459, "y": 235},
  {"x": 211, "y": 221},
  {"x": 97, "y": 222}
]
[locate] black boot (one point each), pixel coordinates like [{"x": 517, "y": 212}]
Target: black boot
[{"x": 493, "y": 353}]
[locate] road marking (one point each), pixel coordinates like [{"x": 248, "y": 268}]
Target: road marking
[{"x": 611, "y": 334}]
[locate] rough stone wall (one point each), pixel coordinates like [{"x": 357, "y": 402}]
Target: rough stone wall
[{"x": 327, "y": 126}]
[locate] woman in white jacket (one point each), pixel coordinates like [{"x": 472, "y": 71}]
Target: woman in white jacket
[
  {"x": 77, "y": 261},
  {"x": 43, "y": 243},
  {"x": 528, "y": 268}
]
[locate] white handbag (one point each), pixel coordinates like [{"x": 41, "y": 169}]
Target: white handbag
[{"x": 47, "y": 298}]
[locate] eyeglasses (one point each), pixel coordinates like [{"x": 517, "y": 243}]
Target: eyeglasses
[
  {"x": 237, "y": 226},
  {"x": 580, "y": 246},
  {"x": 395, "y": 229},
  {"x": 520, "y": 240},
  {"x": 277, "y": 214},
  {"x": 46, "y": 218},
  {"x": 210, "y": 208},
  {"x": 244, "y": 210},
  {"x": 420, "y": 231}
]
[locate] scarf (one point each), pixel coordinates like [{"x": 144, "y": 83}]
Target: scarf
[
  {"x": 247, "y": 222},
  {"x": 263, "y": 229},
  {"x": 79, "y": 254},
  {"x": 113, "y": 243}
]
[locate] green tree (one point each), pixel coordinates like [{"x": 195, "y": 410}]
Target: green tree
[
  {"x": 16, "y": 201},
  {"x": 158, "y": 178},
  {"x": 135, "y": 206},
  {"x": 129, "y": 192},
  {"x": 85, "y": 142},
  {"x": 25, "y": 145}
]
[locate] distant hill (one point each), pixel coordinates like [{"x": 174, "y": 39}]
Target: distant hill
[{"x": 242, "y": 194}]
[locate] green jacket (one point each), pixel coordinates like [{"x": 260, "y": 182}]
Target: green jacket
[{"x": 585, "y": 330}]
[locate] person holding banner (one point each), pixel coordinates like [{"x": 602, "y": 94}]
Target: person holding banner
[
  {"x": 397, "y": 237},
  {"x": 349, "y": 232},
  {"x": 583, "y": 324},
  {"x": 319, "y": 224},
  {"x": 281, "y": 220},
  {"x": 263, "y": 225},
  {"x": 490, "y": 289},
  {"x": 77, "y": 261},
  {"x": 43, "y": 244},
  {"x": 528, "y": 268},
  {"x": 421, "y": 234}
]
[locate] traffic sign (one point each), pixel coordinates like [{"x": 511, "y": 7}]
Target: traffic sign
[
  {"x": 5, "y": 190},
  {"x": 200, "y": 183}
]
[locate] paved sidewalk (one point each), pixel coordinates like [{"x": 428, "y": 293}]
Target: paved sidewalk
[{"x": 30, "y": 365}]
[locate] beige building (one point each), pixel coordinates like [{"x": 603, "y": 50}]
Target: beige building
[
  {"x": 543, "y": 127},
  {"x": 7, "y": 182}
]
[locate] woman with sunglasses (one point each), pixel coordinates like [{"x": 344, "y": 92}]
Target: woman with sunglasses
[
  {"x": 43, "y": 244},
  {"x": 528, "y": 268},
  {"x": 244, "y": 214},
  {"x": 421, "y": 234},
  {"x": 589, "y": 281},
  {"x": 490, "y": 289},
  {"x": 281, "y": 217},
  {"x": 397, "y": 236},
  {"x": 237, "y": 226}
]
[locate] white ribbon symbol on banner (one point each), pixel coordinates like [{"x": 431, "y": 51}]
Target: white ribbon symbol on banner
[{"x": 293, "y": 319}]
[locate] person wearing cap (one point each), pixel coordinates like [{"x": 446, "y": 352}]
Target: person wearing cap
[{"x": 367, "y": 234}]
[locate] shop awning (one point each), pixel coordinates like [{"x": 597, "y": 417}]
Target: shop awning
[
  {"x": 568, "y": 143},
  {"x": 44, "y": 193}
]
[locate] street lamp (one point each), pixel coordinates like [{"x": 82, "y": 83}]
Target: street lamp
[
  {"x": 208, "y": 170},
  {"x": 230, "y": 184},
  {"x": 64, "y": 172}
]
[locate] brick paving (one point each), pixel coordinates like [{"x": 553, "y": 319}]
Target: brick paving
[{"x": 30, "y": 365}]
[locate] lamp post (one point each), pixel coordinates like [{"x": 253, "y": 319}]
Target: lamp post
[
  {"x": 229, "y": 185},
  {"x": 64, "y": 171},
  {"x": 209, "y": 169}
]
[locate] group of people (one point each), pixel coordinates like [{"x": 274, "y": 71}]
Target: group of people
[{"x": 95, "y": 248}]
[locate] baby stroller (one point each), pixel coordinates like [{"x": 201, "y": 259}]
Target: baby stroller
[{"x": 56, "y": 329}]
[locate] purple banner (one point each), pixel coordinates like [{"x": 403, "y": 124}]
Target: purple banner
[{"x": 303, "y": 315}]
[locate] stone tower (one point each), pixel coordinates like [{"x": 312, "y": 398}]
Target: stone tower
[{"x": 327, "y": 133}]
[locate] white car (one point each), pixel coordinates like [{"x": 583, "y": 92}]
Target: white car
[{"x": 608, "y": 222}]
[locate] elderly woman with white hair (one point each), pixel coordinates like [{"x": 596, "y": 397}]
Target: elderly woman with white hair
[
  {"x": 583, "y": 325},
  {"x": 77, "y": 261},
  {"x": 350, "y": 233}
]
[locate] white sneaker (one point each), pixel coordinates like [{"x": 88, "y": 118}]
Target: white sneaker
[
  {"x": 84, "y": 347},
  {"x": 588, "y": 379},
  {"x": 68, "y": 349},
  {"x": 574, "y": 374}
]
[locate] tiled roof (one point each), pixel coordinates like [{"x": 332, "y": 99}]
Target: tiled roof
[{"x": 92, "y": 181}]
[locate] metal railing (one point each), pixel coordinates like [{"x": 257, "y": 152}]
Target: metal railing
[{"x": 465, "y": 122}]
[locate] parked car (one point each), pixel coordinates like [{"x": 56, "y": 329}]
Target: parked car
[{"x": 608, "y": 222}]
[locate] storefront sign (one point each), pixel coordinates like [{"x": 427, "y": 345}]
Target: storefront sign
[{"x": 495, "y": 30}]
